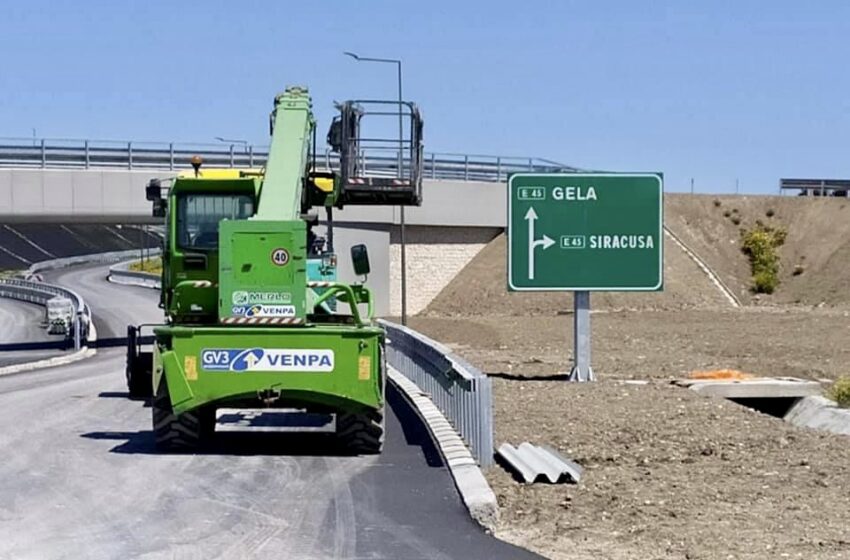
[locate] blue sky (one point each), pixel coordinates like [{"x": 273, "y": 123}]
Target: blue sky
[{"x": 714, "y": 90}]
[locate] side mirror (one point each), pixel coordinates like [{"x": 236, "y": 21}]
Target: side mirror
[
  {"x": 360, "y": 259},
  {"x": 153, "y": 190}
]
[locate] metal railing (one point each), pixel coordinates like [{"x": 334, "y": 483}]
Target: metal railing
[
  {"x": 815, "y": 187},
  {"x": 40, "y": 292},
  {"x": 47, "y": 153},
  {"x": 461, "y": 392}
]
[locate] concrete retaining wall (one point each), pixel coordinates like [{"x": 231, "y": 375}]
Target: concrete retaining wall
[{"x": 434, "y": 257}]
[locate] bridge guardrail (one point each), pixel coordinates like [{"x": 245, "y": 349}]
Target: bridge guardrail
[
  {"x": 461, "y": 392},
  {"x": 47, "y": 153}
]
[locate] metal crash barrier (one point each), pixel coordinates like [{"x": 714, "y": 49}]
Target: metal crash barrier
[
  {"x": 40, "y": 292},
  {"x": 461, "y": 392},
  {"x": 43, "y": 153}
]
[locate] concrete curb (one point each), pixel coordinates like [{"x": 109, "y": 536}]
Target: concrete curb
[
  {"x": 64, "y": 262},
  {"x": 469, "y": 480},
  {"x": 819, "y": 413},
  {"x": 120, "y": 274},
  {"x": 81, "y": 354},
  {"x": 138, "y": 282}
]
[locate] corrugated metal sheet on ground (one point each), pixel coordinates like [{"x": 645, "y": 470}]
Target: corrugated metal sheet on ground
[{"x": 539, "y": 464}]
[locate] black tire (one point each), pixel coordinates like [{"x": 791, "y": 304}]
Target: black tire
[
  {"x": 139, "y": 384},
  {"x": 140, "y": 376},
  {"x": 185, "y": 432},
  {"x": 361, "y": 433}
]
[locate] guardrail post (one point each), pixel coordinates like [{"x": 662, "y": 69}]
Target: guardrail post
[
  {"x": 78, "y": 318},
  {"x": 251, "y": 156},
  {"x": 87, "y": 153},
  {"x": 231, "y": 156},
  {"x": 531, "y": 164},
  {"x": 171, "y": 156},
  {"x": 487, "y": 450},
  {"x": 433, "y": 165},
  {"x": 498, "y": 168},
  {"x": 43, "y": 154},
  {"x": 466, "y": 168},
  {"x": 129, "y": 155}
]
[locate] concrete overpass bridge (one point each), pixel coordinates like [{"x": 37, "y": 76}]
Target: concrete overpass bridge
[
  {"x": 95, "y": 181},
  {"x": 464, "y": 206}
]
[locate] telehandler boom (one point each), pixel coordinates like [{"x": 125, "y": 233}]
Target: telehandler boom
[{"x": 254, "y": 315}]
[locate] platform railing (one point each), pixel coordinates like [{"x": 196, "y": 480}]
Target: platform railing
[{"x": 44, "y": 153}]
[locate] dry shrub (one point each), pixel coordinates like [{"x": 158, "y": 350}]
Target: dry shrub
[
  {"x": 840, "y": 392},
  {"x": 760, "y": 244}
]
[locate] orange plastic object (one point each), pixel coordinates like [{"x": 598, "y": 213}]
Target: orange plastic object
[{"x": 720, "y": 374}]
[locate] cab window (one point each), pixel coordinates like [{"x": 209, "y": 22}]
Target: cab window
[{"x": 198, "y": 216}]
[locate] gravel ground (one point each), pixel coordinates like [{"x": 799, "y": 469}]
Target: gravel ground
[
  {"x": 668, "y": 473},
  {"x": 797, "y": 342}
]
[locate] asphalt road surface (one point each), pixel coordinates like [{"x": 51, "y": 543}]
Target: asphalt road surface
[
  {"x": 80, "y": 477},
  {"x": 21, "y": 322}
]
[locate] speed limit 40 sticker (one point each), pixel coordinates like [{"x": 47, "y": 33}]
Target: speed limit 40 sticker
[{"x": 280, "y": 256}]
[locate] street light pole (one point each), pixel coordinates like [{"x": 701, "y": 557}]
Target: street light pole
[
  {"x": 401, "y": 208},
  {"x": 399, "y": 173},
  {"x": 233, "y": 141}
]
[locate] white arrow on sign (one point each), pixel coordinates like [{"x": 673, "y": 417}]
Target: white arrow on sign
[{"x": 545, "y": 241}]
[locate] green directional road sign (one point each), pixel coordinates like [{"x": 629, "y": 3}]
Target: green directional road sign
[{"x": 585, "y": 232}]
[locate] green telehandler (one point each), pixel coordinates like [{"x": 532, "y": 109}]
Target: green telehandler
[{"x": 254, "y": 314}]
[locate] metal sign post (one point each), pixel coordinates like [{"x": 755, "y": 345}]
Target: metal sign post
[
  {"x": 581, "y": 338},
  {"x": 584, "y": 232}
]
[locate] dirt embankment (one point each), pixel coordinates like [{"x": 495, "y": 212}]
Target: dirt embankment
[
  {"x": 818, "y": 240},
  {"x": 480, "y": 289}
]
